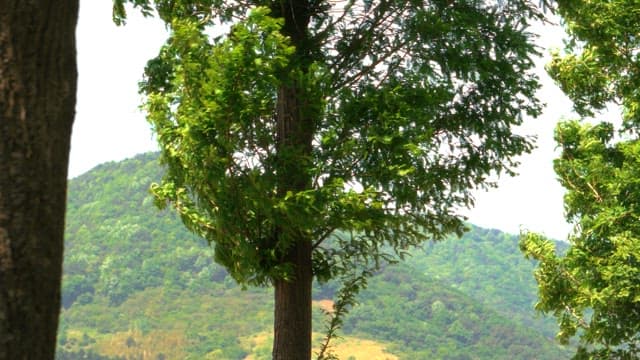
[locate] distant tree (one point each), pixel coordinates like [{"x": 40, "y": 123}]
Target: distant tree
[
  {"x": 594, "y": 289},
  {"x": 37, "y": 108},
  {"x": 318, "y": 138}
]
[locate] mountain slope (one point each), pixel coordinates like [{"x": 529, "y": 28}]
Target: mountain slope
[
  {"x": 137, "y": 284},
  {"x": 487, "y": 265}
]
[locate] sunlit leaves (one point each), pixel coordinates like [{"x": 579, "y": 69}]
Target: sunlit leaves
[
  {"x": 594, "y": 289},
  {"x": 409, "y": 105},
  {"x": 595, "y": 286},
  {"x": 212, "y": 105},
  {"x": 600, "y": 61}
]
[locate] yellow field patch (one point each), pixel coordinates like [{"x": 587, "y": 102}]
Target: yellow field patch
[
  {"x": 353, "y": 348},
  {"x": 259, "y": 345},
  {"x": 153, "y": 345},
  {"x": 347, "y": 348},
  {"x": 325, "y": 304}
]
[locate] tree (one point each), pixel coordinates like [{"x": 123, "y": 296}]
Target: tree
[
  {"x": 594, "y": 289},
  {"x": 319, "y": 138},
  {"x": 37, "y": 107}
]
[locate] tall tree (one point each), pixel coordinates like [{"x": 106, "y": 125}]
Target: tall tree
[
  {"x": 594, "y": 289},
  {"x": 37, "y": 107},
  {"x": 318, "y": 138}
]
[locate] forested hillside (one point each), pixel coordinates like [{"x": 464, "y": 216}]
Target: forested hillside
[{"x": 137, "y": 285}]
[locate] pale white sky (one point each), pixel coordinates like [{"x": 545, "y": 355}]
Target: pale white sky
[{"x": 110, "y": 127}]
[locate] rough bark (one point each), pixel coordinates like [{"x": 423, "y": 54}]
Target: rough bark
[
  {"x": 37, "y": 106},
  {"x": 295, "y": 127},
  {"x": 292, "y": 311},
  {"x": 292, "y": 323}
]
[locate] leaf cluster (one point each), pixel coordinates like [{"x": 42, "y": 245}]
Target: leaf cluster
[
  {"x": 599, "y": 64},
  {"x": 411, "y": 105},
  {"x": 594, "y": 290}
]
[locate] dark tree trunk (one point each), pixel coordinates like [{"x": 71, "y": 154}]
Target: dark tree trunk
[
  {"x": 37, "y": 106},
  {"x": 292, "y": 323},
  {"x": 292, "y": 312}
]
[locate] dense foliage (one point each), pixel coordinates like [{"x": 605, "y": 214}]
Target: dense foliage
[
  {"x": 420, "y": 310},
  {"x": 594, "y": 290},
  {"x": 408, "y": 103},
  {"x": 137, "y": 282},
  {"x": 487, "y": 266},
  {"x": 315, "y": 139}
]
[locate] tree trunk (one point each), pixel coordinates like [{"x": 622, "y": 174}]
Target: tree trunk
[
  {"x": 295, "y": 129},
  {"x": 37, "y": 105},
  {"x": 292, "y": 324},
  {"x": 292, "y": 313}
]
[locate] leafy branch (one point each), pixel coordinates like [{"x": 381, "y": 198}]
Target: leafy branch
[{"x": 346, "y": 300}]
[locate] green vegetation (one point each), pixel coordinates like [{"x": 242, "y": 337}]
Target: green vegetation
[
  {"x": 594, "y": 289},
  {"x": 136, "y": 282},
  {"x": 487, "y": 266},
  {"x": 318, "y": 139}
]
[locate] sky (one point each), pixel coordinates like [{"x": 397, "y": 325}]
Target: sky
[{"x": 110, "y": 127}]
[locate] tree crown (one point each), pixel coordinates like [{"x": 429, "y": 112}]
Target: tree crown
[{"x": 409, "y": 106}]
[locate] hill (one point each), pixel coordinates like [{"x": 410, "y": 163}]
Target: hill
[{"x": 137, "y": 285}]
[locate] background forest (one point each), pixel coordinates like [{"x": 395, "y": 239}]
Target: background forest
[{"x": 137, "y": 285}]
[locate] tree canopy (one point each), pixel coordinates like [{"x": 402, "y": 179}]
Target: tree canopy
[
  {"x": 594, "y": 289},
  {"x": 413, "y": 105},
  {"x": 334, "y": 134}
]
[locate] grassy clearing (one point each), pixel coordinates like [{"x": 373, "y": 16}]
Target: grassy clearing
[
  {"x": 347, "y": 348},
  {"x": 136, "y": 345}
]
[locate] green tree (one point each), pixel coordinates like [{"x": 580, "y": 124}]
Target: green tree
[
  {"x": 37, "y": 101},
  {"x": 318, "y": 138},
  {"x": 594, "y": 289}
]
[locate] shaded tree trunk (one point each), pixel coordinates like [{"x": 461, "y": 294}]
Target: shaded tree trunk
[
  {"x": 292, "y": 311},
  {"x": 295, "y": 127},
  {"x": 38, "y": 79},
  {"x": 292, "y": 320}
]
